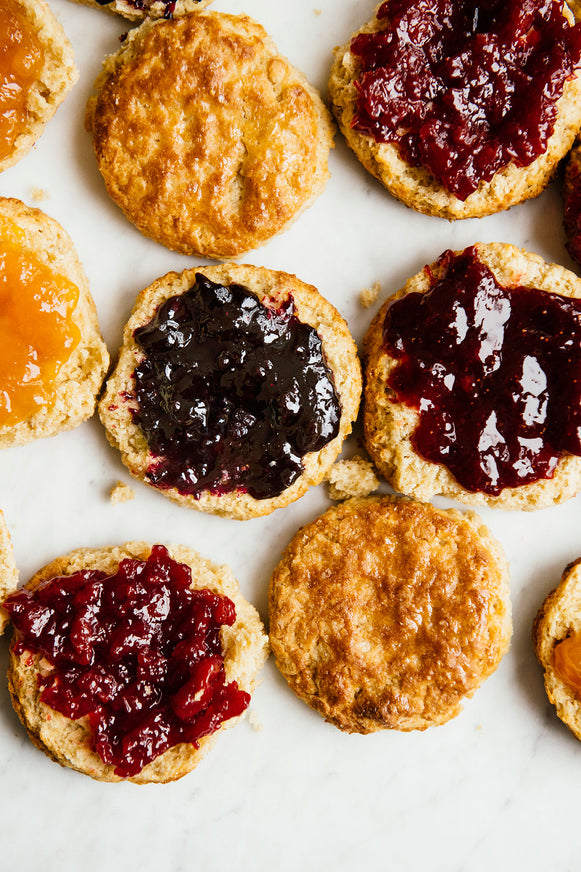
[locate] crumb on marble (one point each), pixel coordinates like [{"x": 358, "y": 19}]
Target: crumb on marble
[
  {"x": 121, "y": 493},
  {"x": 39, "y": 195},
  {"x": 368, "y": 296},
  {"x": 317, "y": 11},
  {"x": 352, "y": 478},
  {"x": 254, "y": 720}
]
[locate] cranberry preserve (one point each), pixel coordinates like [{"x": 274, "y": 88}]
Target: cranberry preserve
[
  {"x": 231, "y": 394},
  {"x": 465, "y": 87},
  {"x": 494, "y": 372},
  {"x": 138, "y": 652},
  {"x": 572, "y": 206}
]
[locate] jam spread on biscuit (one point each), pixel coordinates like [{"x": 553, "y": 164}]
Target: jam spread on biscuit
[
  {"x": 21, "y": 60},
  {"x": 138, "y": 653},
  {"x": 494, "y": 372},
  {"x": 465, "y": 87},
  {"x": 567, "y": 661},
  {"x": 572, "y": 210},
  {"x": 37, "y": 330},
  {"x": 232, "y": 393}
]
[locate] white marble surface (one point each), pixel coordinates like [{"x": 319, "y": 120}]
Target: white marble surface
[{"x": 495, "y": 788}]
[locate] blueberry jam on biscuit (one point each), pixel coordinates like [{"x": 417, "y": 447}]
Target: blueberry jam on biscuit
[
  {"x": 232, "y": 393},
  {"x": 465, "y": 87},
  {"x": 138, "y": 653},
  {"x": 494, "y": 372}
]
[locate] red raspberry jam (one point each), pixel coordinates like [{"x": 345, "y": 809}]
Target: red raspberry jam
[
  {"x": 465, "y": 87},
  {"x": 495, "y": 374},
  {"x": 138, "y": 653},
  {"x": 232, "y": 394},
  {"x": 572, "y": 207}
]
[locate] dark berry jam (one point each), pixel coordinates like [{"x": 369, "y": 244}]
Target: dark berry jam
[
  {"x": 494, "y": 372},
  {"x": 465, "y": 87},
  {"x": 138, "y": 653},
  {"x": 572, "y": 207},
  {"x": 232, "y": 394}
]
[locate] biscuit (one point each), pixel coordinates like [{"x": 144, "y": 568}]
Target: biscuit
[
  {"x": 209, "y": 141},
  {"x": 414, "y": 185},
  {"x": 55, "y": 76},
  {"x": 68, "y": 741},
  {"x": 71, "y": 398},
  {"x": 138, "y": 11},
  {"x": 387, "y": 613},
  {"x": 559, "y": 618},
  {"x": 390, "y": 425},
  {"x": 572, "y": 202},
  {"x": 351, "y": 478},
  {"x": 8, "y": 570},
  {"x": 118, "y": 405}
]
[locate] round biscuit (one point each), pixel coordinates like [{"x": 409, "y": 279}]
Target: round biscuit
[{"x": 147, "y": 9}]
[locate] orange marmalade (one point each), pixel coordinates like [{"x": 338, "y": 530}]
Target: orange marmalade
[
  {"x": 21, "y": 59},
  {"x": 567, "y": 661},
  {"x": 37, "y": 333}
]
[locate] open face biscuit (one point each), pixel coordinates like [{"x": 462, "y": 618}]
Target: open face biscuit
[
  {"x": 275, "y": 290},
  {"x": 8, "y": 571},
  {"x": 29, "y": 101},
  {"x": 69, "y": 396},
  {"x": 68, "y": 741},
  {"x": 413, "y": 183},
  {"x": 386, "y": 613},
  {"x": 137, "y": 10},
  {"x": 390, "y": 424},
  {"x": 206, "y": 137},
  {"x": 559, "y": 618}
]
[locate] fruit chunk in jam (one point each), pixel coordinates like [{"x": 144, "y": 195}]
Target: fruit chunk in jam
[
  {"x": 465, "y": 87},
  {"x": 567, "y": 661},
  {"x": 232, "y": 393},
  {"x": 139, "y": 653},
  {"x": 21, "y": 60},
  {"x": 494, "y": 372},
  {"x": 37, "y": 331}
]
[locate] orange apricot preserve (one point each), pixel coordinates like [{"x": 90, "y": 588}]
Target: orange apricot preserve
[
  {"x": 37, "y": 333},
  {"x": 21, "y": 59},
  {"x": 567, "y": 661}
]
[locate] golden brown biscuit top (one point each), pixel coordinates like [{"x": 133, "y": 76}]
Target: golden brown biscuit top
[
  {"x": 386, "y": 613},
  {"x": 201, "y": 122}
]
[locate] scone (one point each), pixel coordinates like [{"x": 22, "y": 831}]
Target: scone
[
  {"x": 52, "y": 357},
  {"x": 387, "y": 613},
  {"x": 126, "y": 661},
  {"x": 572, "y": 202},
  {"x": 461, "y": 110},
  {"x": 471, "y": 381},
  {"x": 38, "y": 71},
  {"x": 8, "y": 570},
  {"x": 137, "y": 10},
  {"x": 556, "y": 635},
  {"x": 208, "y": 139},
  {"x": 234, "y": 389}
]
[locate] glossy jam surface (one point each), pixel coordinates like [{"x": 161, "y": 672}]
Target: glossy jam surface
[
  {"x": 495, "y": 374},
  {"x": 567, "y": 661},
  {"x": 572, "y": 211},
  {"x": 37, "y": 330},
  {"x": 232, "y": 393},
  {"x": 138, "y": 652},
  {"x": 21, "y": 60},
  {"x": 465, "y": 87}
]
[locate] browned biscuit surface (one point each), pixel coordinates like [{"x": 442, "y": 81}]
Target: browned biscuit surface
[
  {"x": 415, "y": 186},
  {"x": 147, "y": 9},
  {"x": 386, "y": 613},
  {"x": 389, "y": 425},
  {"x": 67, "y": 741},
  {"x": 8, "y": 570},
  {"x": 558, "y": 618},
  {"x": 55, "y": 80},
  {"x": 79, "y": 379},
  {"x": 206, "y": 137},
  {"x": 274, "y": 288}
]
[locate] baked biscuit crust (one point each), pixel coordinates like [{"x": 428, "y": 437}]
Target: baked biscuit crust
[
  {"x": 8, "y": 570},
  {"x": 55, "y": 80},
  {"x": 389, "y": 425},
  {"x": 154, "y": 8},
  {"x": 270, "y": 286},
  {"x": 415, "y": 186},
  {"x": 209, "y": 141},
  {"x": 559, "y": 617},
  {"x": 79, "y": 379},
  {"x": 386, "y": 613},
  {"x": 67, "y": 741}
]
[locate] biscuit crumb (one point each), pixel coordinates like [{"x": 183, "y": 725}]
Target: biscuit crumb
[
  {"x": 254, "y": 721},
  {"x": 352, "y": 478},
  {"x": 121, "y": 493},
  {"x": 317, "y": 11},
  {"x": 39, "y": 194},
  {"x": 368, "y": 296}
]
